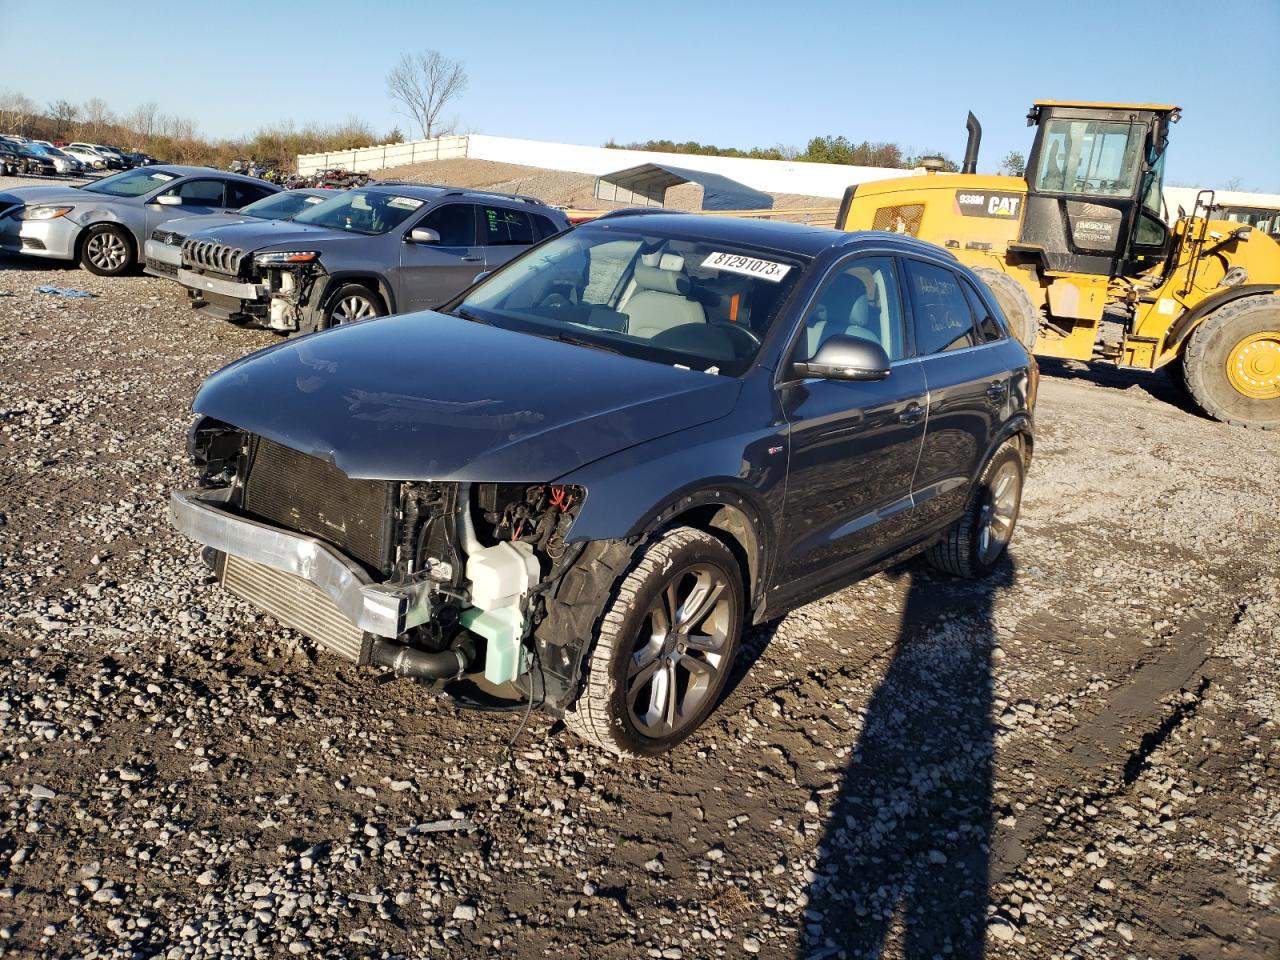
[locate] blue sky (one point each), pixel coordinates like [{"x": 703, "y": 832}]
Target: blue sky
[{"x": 743, "y": 73}]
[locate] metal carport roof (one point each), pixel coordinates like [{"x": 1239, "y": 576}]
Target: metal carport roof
[{"x": 647, "y": 184}]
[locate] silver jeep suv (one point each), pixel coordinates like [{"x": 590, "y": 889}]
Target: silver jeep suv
[{"x": 390, "y": 247}]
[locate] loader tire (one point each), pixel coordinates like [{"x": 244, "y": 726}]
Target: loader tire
[
  {"x": 1231, "y": 363},
  {"x": 1023, "y": 317}
]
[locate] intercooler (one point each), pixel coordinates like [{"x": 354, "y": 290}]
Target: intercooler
[
  {"x": 311, "y": 496},
  {"x": 296, "y": 603}
]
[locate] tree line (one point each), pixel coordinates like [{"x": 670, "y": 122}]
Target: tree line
[{"x": 176, "y": 139}]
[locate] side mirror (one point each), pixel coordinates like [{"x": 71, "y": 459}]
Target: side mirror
[
  {"x": 424, "y": 235},
  {"x": 480, "y": 276},
  {"x": 168, "y": 200},
  {"x": 846, "y": 358}
]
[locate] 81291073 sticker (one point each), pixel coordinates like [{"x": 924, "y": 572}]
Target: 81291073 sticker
[{"x": 747, "y": 266}]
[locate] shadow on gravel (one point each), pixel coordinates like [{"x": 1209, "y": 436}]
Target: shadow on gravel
[
  {"x": 905, "y": 856},
  {"x": 1157, "y": 384}
]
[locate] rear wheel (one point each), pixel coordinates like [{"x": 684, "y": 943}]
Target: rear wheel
[
  {"x": 351, "y": 302},
  {"x": 106, "y": 251},
  {"x": 1231, "y": 363},
  {"x": 664, "y": 648},
  {"x": 975, "y": 543},
  {"x": 1015, "y": 303}
]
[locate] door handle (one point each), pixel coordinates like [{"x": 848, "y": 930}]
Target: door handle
[
  {"x": 996, "y": 392},
  {"x": 912, "y": 414},
  {"x": 472, "y": 259}
]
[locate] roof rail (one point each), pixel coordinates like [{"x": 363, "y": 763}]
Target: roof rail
[
  {"x": 524, "y": 198},
  {"x": 636, "y": 212}
]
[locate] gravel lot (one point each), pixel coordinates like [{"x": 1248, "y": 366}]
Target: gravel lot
[{"x": 1077, "y": 758}]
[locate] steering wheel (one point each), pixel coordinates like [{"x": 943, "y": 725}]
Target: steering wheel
[
  {"x": 738, "y": 333},
  {"x": 555, "y": 301}
]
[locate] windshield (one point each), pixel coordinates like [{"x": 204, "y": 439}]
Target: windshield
[
  {"x": 700, "y": 304},
  {"x": 1090, "y": 157},
  {"x": 281, "y": 206},
  {"x": 361, "y": 211},
  {"x": 131, "y": 183}
]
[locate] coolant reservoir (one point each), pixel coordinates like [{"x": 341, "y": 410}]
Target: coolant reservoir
[{"x": 502, "y": 574}]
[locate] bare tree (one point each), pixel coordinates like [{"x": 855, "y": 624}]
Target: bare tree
[
  {"x": 423, "y": 83},
  {"x": 142, "y": 122},
  {"x": 17, "y": 112},
  {"x": 97, "y": 116},
  {"x": 64, "y": 114}
]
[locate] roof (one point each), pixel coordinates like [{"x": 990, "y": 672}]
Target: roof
[
  {"x": 1158, "y": 107},
  {"x": 648, "y": 183},
  {"x": 795, "y": 238},
  {"x": 183, "y": 170}
]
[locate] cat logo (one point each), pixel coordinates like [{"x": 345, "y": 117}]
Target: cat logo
[{"x": 1002, "y": 206}]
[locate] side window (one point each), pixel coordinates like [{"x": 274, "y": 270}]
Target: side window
[
  {"x": 989, "y": 329},
  {"x": 545, "y": 227},
  {"x": 242, "y": 194},
  {"x": 206, "y": 193},
  {"x": 503, "y": 228},
  {"x": 859, "y": 300},
  {"x": 942, "y": 317},
  {"x": 455, "y": 222}
]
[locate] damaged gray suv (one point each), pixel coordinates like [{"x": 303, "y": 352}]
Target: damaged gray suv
[
  {"x": 579, "y": 482},
  {"x": 386, "y": 248}
]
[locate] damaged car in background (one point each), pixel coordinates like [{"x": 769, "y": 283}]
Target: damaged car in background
[
  {"x": 164, "y": 246},
  {"x": 576, "y": 484},
  {"x": 387, "y": 248}
]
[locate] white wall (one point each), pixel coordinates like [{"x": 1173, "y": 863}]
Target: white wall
[
  {"x": 771, "y": 176},
  {"x": 385, "y": 155},
  {"x": 1185, "y": 197}
]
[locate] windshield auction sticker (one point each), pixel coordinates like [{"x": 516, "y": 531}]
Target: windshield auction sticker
[
  {"x": 747, "y": 266},
  {"x": 404, "y": 203}
]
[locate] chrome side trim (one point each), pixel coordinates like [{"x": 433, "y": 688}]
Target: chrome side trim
[{"x": 385, "y": 610}]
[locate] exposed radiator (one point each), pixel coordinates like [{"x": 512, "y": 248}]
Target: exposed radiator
[
  {"x": 296, "y": 603},
  {"x": 308, "y": 495}
]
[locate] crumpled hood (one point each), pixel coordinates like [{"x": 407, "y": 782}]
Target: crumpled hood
[
  {"x": 257, "y": 235},
  {"x": 425, "y": 396}
]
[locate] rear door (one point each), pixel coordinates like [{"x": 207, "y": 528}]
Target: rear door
[
  {"x": 200, "y": 195},
  {"x": 431, "y": 273},
  {"x": 968, "y": 382},
  {"x": 505, "y": 232},
  {"x": 853, "y": 445},
  {"x": 242, "y": 194}
]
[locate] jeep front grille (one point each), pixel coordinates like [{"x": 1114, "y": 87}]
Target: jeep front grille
[
  {"x": 311, "y": 496},
  {"x": 213, "y": 256}
]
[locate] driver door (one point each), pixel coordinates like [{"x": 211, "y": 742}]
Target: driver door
[{"x": 432, "y": 273}]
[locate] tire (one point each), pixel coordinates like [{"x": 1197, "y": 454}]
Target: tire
[
  {"x": 1015, "y": 303},
  {"x": 1232, "y": 363},
  {"x": 106, "y": 250},
  {"x": 993, "y": 508},
  {"x": 624, "y": 707},
  {"x": 342, "y": 307}
]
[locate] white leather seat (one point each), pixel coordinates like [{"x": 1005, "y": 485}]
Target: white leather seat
[{"x": 660, "y": 300}]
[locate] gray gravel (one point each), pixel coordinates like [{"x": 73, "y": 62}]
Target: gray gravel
[{"x": 1077, "y": 758}]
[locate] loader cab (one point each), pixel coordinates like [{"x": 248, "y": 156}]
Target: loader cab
[{"x": 1094, "y": 179}]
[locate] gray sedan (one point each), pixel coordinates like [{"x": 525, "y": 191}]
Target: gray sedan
[{"x": 104, "y": 224}]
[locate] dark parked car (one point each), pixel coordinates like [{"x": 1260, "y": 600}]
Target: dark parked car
[
  {"x": 386, "y": 248},
  {"x": 586, "y": 475}
]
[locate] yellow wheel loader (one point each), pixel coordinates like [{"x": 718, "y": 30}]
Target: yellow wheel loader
[{"x": 1079, "y": 256}]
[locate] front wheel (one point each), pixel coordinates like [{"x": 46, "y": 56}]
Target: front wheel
[
  {"x": 350, "y": 303},
  {"x": 1231, "y": 363},
  {"x": 107, "y": 251},
  {"x": 974, "y": 544},
  {"x": 664, "y": 647}
]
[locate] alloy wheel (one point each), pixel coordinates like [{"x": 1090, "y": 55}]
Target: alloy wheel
[
  {"x": 999, "y": 512},
  {"x": 680, "y": 651},
  {"x": 107, "y": 251},
  {"x": 352, "y": 308}
]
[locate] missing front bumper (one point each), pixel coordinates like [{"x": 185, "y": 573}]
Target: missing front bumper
[{"x": 384, "y": 610}]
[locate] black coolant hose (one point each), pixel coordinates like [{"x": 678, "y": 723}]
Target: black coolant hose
[{"x": 421, "y": 665}]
